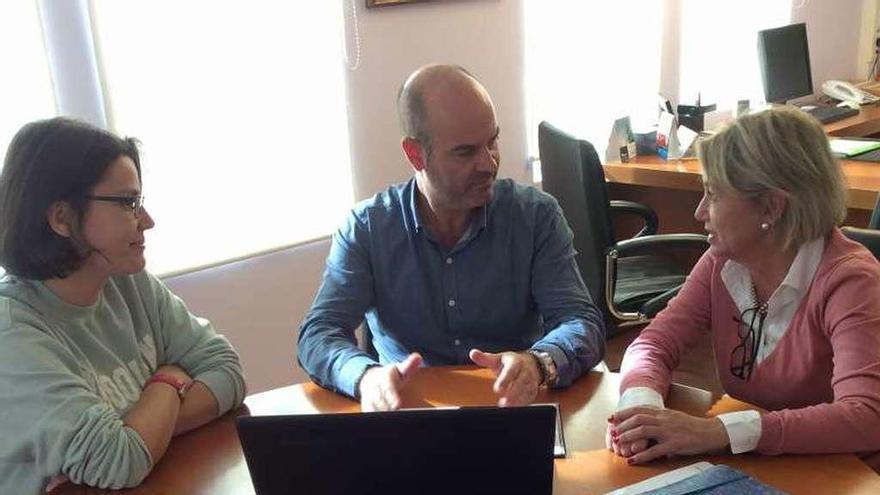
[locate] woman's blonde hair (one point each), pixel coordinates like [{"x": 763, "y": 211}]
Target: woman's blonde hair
[{"x": 781, "y": 149}]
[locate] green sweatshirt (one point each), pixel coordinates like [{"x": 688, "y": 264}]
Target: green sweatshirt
[{"x": 68, "y": 375}]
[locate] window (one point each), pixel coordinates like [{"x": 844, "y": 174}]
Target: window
[
  {"x": 26, "y": 86},
  {"x": 241, "y": 112},
  {"x": 719, "y": 48},
  {"x": 589, "y": 63}
]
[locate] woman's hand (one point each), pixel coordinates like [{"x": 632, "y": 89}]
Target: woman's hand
[
  {"x": 648, "y": 433},
  {"x": 612, "y": 441}
]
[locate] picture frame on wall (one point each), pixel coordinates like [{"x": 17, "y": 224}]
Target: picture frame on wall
[{"x": 388, "y": 3}]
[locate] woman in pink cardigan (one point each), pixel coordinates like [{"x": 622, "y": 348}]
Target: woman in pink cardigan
[{"x": 793, "y": 308}]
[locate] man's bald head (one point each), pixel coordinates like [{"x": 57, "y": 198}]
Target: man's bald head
[{"x": 426, "y": 86}]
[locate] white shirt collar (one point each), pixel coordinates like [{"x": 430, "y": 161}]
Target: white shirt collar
[{"x": 794, "y": 286}]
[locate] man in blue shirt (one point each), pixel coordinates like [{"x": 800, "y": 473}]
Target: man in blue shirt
[{"x": 451, "y": 267}]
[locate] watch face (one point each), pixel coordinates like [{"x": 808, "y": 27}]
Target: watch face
[{"x": 549, "y": 368}]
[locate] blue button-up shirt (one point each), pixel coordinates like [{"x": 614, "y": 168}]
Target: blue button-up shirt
[{"x": 509, "y": 284}]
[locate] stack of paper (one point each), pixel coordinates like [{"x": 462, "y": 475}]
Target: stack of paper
[{"x": 852, "y": 147}]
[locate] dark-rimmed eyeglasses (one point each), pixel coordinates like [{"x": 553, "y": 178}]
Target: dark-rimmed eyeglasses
[
  {"x": 750, "y": 328},
  {"x": 134, "y": 203}
]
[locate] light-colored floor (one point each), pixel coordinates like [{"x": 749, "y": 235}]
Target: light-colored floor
[{"x": 697, "y": 369}]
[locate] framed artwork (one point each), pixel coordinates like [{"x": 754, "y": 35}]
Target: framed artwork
[{"x": 387, "y": 3}]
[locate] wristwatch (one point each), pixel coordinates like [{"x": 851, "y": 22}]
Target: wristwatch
[
  {"x": 546, "y": 366},
  {"x": 179, "y": 385}
]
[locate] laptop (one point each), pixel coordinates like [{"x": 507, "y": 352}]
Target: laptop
[{"x": 473, "y": 450}]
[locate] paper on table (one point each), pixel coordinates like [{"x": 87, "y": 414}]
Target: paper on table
[
  {"x": 852, "y": 147},
  {"x": 662, "y": 480},
  {"x": 686, "y": 137}
]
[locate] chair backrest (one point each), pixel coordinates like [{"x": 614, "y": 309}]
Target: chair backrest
[
  {"x": 869, "y": 238},
  {"x": 572, "y": 173},
  {"x": 874, "y": 222}
]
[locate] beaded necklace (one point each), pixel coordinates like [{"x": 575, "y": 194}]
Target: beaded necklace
[{"x": 762, "y": 308}]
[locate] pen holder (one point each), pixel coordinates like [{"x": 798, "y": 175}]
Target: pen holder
[{"x": 691, "y": 116}]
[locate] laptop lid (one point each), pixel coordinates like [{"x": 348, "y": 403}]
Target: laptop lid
[{"x": 466, "y": 450}]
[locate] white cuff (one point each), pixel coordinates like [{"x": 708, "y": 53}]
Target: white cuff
[
  {"x": 743, "y": 430},
  {"x": 639, "y": 396}
]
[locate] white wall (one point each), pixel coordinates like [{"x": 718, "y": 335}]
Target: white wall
[
  {"x": 834, "y": 31},
  {"x": 259, "y": 303},
  {"x": 484, "y": 36}
]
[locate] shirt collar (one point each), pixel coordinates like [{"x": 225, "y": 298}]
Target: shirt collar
[
  {"x": 794, "y": 286},
  {"x": 478, "y": 222},
  {"x": 413, "y": 199}
]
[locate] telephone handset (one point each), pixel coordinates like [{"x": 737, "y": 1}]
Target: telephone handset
[{"x": 844, "y": 91}]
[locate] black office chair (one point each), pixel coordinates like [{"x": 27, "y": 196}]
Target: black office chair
[
  {"x": 365, "y": 343},
  {"x": 870, "y": 238},
  {"x": 630, "y": 280},
  {"x": 874, "y": 222}
]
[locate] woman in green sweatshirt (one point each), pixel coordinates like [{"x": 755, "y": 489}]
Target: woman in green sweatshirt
[{"x": 100, "y": 364}]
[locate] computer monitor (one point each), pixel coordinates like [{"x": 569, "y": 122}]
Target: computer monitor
[{"x": 784, "y": 58}]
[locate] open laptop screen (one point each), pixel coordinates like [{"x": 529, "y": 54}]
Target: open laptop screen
[{"x": 467, "y": 450}]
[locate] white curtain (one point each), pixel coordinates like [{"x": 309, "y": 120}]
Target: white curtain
[
  {"x": 719, "y": 48},
  {"x": 25, "y": 87},
  {"x": 241, "y": 110},
  {"x": 589, "y": 63}
]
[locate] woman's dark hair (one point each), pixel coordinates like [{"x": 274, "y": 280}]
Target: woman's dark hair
[{"x": 47, "y": 161}]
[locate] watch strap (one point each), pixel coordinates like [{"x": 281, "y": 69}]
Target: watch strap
[{"x": 546, "y": 366}]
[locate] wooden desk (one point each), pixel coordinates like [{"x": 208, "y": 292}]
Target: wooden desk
[
  {"x": 863, "y": 178},
  {"x": 673, "y": 188},
  {"x": 209, "y": 460},
  {"x": 866, "y": 123}
]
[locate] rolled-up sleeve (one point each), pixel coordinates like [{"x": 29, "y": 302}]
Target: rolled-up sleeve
[
  {"x": 327, "y": 347},
  {"x": 574, "y": 327}
]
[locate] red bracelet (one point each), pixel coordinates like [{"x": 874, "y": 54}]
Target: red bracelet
[{"x": 179, "y": 385}]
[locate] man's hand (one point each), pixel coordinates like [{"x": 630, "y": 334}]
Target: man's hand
[
  {"x": 517, "y": 375},
  {"x": 647, "y": 433},
  {"x": 380, "y": 386}
]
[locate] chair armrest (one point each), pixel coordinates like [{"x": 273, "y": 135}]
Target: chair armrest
[
  {"x": 638, "y": 244},
  {"x": 619, "y": 206},
  {"x": 633, "y": 246},
  {"x": 652, "y": 306}
]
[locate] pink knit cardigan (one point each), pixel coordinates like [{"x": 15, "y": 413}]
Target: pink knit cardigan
[{"x": 821, "y": 384}]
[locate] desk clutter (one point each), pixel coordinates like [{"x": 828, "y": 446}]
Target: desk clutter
[
  {"x": 670, "y": 140},
  {"x": 674, "y": 141},
  {"x": 675, "y": 134},
  {"x": 864, "y": 150}
]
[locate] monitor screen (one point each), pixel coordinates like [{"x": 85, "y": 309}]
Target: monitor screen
[{"x": 785, "y": 63}]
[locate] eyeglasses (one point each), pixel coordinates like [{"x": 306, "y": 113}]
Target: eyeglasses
[
  {"x": 135, "y": 203},
  {"x": 750, "y": 327}
]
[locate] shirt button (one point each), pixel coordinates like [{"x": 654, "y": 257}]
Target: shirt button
[
  {"x": 457, "y": 342},
  {"x": 449, "y": 261},
  {"x": 451, "y": 303}
]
